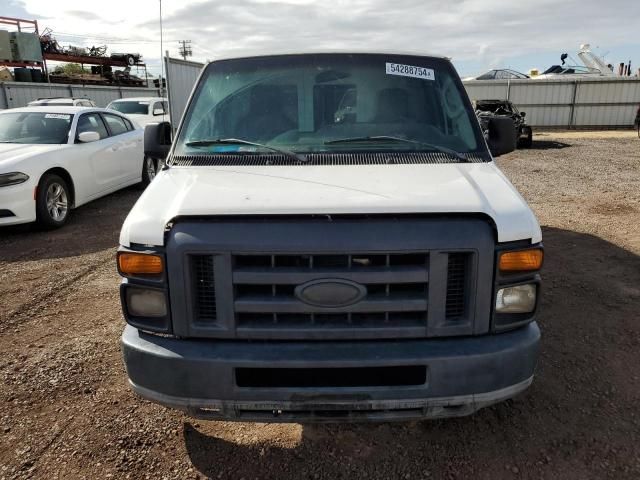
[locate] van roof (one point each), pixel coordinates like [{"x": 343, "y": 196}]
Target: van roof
[{"x": 333, "y": 52}]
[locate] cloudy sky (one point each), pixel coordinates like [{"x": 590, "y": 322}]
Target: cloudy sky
[{"x": 477, "y": 34}]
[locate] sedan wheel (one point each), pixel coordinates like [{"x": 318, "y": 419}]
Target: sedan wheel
[
  {"x": 149, "y": 171},
  {"x": 53, "y": 201},
  {"x": 150, "y": 165},
  {"x": 57, "y": 202}
]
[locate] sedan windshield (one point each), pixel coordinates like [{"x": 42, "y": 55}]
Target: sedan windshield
[
  {"x": 331, "y": 103},
  {"x": 131, "y": 107},
  {"x": 34, "y": 127}
]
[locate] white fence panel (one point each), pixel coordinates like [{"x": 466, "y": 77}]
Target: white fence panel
[
  {"x": 181, "y": 78},
  {"x": 19, "y": 94},
  {"x": 583, "y": 103}
]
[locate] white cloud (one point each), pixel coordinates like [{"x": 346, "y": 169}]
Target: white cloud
[{"x": 485, "y": 30}]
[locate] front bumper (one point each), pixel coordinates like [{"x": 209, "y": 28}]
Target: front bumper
[
  {"x": 17, "y": 204},
  {"x": 198, "y": 376}
]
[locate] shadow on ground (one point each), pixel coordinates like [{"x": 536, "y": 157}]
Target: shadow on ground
[
  {"x": 91, "y": 228},
  {"x": 576, "y": 421},
  {"x": 548, "y": 145}
]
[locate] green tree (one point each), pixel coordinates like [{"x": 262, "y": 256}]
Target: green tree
[{"x": 70, "y": 69}]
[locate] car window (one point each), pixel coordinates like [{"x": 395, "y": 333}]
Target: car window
[
  {"x": 131, "y": 107},
  {"x": 128, "y": 124},
  {"x": 116, "y": 124},
  {"x": 91, "y": 122},
  {"x": 34, "y": 127}
]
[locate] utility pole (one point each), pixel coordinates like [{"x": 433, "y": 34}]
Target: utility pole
[
  {"x": 185, "y": 48},
  {"x": 160, "y": 81}
]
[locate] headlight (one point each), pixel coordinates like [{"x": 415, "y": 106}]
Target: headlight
[
  {"x": 144, "y": 302},
  {"x": 518, "y": 299},
  {"x": 13, "y": 178}
]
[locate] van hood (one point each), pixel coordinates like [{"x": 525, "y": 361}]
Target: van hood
[
  {"x": 331, "y": 190},
  {"x": 12, "y": 153}
]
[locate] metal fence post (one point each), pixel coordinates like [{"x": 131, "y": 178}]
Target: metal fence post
[
  {"x": 573, "y": 105},
  {"x": 508, "y": 88}
]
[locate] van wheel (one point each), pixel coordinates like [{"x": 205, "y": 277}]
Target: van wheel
[
  {"x": 149, "y": 170},
  {"x": 53, "y": 202}
]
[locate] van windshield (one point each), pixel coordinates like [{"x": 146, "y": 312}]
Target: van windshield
[{"x": 330, "y": 103}]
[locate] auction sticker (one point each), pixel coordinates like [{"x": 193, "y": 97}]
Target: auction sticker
[
  {"x": 62, "y": 116},
  {"x": 410, "y": 71}
]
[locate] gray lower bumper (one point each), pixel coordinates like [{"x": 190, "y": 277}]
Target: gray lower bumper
[{"x": 198, "y": 376}]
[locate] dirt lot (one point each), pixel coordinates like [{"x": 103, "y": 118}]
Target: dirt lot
[{"x": 66, "y": 411}]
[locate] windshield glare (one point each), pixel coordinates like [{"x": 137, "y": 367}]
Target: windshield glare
[
  {"x": 302, "y": 102},
  {"x": 131, "y": 108},
  {"x": 36, "y": 127}
]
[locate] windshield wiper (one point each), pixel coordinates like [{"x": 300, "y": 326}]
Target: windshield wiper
[
  {"x": 238, "y": 141},
  {"x": 385, "y": 138}
]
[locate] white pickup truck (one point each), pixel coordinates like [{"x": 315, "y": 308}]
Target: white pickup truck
[{"x": 330, "y": 240}]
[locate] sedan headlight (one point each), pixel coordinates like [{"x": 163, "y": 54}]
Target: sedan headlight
[
  {"x": 13, "y": 178},
  {"x": 517, "y": 299}
]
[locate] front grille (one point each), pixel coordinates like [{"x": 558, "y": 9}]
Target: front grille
[
  {"x": 204, "y": 288},
  {"x": 456, "y": 285},
  {"x": 265, "y": 290},
  {"x": 332, "y": 278}
]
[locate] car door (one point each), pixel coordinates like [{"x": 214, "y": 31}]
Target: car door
[
  {"x": 128, "y": 146},
  {"x": 101, "y": 154}
]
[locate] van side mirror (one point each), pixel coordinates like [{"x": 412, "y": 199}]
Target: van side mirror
[
  {"x": 502, "y": 136},
  {"x": 158, "y": 111},
  {"x": 157, "y": 140}
]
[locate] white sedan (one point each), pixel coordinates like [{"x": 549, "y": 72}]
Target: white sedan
[
  {"x": 54, "y": 159},
  {"x": 143, "y": 110}
]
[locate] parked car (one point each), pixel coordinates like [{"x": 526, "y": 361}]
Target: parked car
[
  {"x": 61, "y": 102},
  {"x": 54, "y": 159},
  {"x": 330, "y": 240},
  {"x": 486, "y": 109},
  {"x": 143, "y": 110}
]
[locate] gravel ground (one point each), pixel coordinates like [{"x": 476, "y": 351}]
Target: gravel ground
[{"x": 66, "y": 411}]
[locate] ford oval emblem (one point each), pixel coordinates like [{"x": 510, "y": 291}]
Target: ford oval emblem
[{"x": 330, "y": 292}]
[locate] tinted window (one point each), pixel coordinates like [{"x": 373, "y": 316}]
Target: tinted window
[
  {"x": 116, "y": 124},
  {"x": 131, "y": 107},
  {"x": 487, "y": 76},
  {"x": 91, "y": 122}
]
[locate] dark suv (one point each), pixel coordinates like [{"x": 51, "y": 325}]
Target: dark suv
[{"x": 504, "y": 108}]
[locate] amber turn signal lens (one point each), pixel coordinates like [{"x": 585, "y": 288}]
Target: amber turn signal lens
[
  {"x": 132, "y": 264},
  {"x": 521, "y": 261}
]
